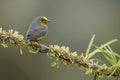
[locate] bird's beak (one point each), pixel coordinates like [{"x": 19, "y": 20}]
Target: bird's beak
[{"x": 48, "y": 21}]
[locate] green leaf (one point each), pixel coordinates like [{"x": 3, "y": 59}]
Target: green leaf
[
  {"x": 107, "y": 55},
  {"x": 110, "y": 55},
  {"x": 108, "y": 43},
  {"x": 89, "y": 47}
]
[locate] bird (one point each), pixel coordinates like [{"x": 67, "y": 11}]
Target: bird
[{"x": 38, "y": 29}]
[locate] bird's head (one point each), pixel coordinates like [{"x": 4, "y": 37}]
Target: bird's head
[{"x": 42, "y": 20}]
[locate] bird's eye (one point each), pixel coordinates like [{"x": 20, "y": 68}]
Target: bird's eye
[{"x": 43, "y": 19}]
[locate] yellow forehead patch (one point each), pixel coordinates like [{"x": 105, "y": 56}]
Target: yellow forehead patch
[{"x": 45, "y": 18}]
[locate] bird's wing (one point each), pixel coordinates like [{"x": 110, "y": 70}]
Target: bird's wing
[{"x": 35, "y": 32}]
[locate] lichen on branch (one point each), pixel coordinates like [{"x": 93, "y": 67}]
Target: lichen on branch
[{"x": 63, "y": 55}]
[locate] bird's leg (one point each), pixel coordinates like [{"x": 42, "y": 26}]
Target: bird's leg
[{"x": 40, "y": 45}]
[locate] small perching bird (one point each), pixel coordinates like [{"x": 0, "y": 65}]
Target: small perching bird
[{"x": 38, "y": 29}]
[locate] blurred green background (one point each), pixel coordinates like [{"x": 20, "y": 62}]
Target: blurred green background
[{"x": 73, "y": 24}]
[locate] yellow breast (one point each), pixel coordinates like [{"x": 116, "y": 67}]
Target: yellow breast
[{"x": 38, "y": 38}]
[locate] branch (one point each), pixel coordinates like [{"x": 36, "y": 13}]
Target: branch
[{"x": 62, "y": 55}]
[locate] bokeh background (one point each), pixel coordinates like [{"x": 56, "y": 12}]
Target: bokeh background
[{"x": 73, "y": 24}]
